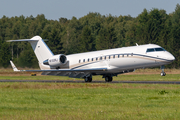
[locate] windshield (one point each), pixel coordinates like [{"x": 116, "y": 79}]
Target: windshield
[
  {"x": 160, "y": 49},
  {"x": 155, "y": 49}
]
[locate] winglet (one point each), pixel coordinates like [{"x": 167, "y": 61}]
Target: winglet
[{"x": 13, "y": 66}]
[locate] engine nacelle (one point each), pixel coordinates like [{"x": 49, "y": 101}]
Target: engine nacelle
[{"x": 56, "y": 60}]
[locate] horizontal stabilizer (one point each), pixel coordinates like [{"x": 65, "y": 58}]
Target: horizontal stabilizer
[{"x": 28, "y": 40}]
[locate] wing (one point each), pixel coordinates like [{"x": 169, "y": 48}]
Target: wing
[{"x": 77, "y": 73}]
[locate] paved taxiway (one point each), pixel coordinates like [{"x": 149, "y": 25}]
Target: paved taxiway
[{"x": 79, "y": 81}]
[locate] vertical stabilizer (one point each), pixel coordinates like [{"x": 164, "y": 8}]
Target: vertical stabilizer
[{"x": 40, "y": 48}]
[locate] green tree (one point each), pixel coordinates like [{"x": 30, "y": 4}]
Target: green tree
[
  {"x": 86, "y": 40},
  {"x": 176, "y": 35},
  {"x": 102, "y": 41},
  {"x": 4, "y": 54}
]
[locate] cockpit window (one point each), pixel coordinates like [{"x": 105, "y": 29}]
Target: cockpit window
[
  {"x": 150, "y": 50},
  {"x": 155, "y": 49},
  {"x": 160, "y": 49}
]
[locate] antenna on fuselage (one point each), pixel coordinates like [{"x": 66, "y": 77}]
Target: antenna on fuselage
[{"x": 137, "y": 44}]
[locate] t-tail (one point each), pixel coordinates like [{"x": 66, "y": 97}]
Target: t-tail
[{"x": 40, "y": 48}]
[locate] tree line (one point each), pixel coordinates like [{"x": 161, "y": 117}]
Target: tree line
[{"x": 89, "y": 33}]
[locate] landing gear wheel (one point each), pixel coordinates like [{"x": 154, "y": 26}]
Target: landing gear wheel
[
  {"x": 88, "y": 79},
  {"x": 108, "y": 79},
  {"x": 163, "y": 74}
]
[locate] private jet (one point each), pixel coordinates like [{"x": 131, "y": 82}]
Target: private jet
[{"x": 107, "y": 63}]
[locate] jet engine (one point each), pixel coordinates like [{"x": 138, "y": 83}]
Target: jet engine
[{"x": 56, "y": 60}]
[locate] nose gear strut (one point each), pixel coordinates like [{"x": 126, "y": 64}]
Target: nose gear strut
[{"x": 163, "y": 73}]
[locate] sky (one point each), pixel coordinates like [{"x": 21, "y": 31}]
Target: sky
[{"x": 55, "y": 9}]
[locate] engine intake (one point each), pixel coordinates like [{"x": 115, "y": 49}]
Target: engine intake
[{"x": 56, "y": 60}]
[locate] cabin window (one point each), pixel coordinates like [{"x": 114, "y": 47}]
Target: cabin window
[
  {"x": 122, "y": 55},
  {"x": 150, "y": 50},
  {"x": 92, "y": 59},
  {"x": 127, "y": 55},
  {"x": 84, "y": 60},
  {"x": 96, "y": 59},
  {"x": 118, "y": 56},
  {"x": 109, "y": 57},
  {"x": 105, "y": 57},
  {"x": 88, "y": 59},
  {"x": 113, "y": 56},
  {"x": 100, "y": 58},
  {"x": 79, "y": 61}
]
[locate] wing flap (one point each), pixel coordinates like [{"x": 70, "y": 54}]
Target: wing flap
[{"x": 68, "y": 70}]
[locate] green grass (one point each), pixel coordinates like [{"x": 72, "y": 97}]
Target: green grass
[
  {"x": 145, "y": 77},
  {"x": 41, "y": 101},
  {"x": 138, "y": 75},
  {"x": 142, "y": 77},
  {"x": 36, "y": 78}
]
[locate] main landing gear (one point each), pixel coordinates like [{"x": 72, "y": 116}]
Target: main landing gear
[
  {"x": 88, "y": 79},
  {"x": 163, "y": 73},
  {"x": 108, "y": 78}
]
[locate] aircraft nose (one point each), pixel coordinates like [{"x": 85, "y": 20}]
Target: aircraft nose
[{"x": 171, "y": 58}]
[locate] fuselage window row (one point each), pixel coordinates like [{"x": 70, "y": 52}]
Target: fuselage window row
[{"x": 106, "y": 57}]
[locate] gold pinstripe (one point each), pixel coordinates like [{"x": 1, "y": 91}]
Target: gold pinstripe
[{"x": 116, "y": 56}]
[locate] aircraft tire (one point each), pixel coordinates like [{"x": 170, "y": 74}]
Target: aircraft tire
[
  {"x": 88, "y": 79},
  {"x": 163, "y": 74},
  {"x": 108, "y": 78}
]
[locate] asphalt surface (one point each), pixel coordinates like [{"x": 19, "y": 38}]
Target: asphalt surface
[{"x": 79, "y": 81}]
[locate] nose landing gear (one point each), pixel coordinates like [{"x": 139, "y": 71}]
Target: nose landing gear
[{"x": 163, "y": 73}]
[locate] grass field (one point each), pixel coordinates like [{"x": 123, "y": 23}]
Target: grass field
[
  {"x": 21, "y": 101},
  {"x": 148, "y": 77},
  {"x": 123, "y": 77},
  {"x": 39, "y": 101},
  {"x": 138, "y": 75}
]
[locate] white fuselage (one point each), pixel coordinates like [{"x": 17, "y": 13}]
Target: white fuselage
[{"x": 119, "y": 59}]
